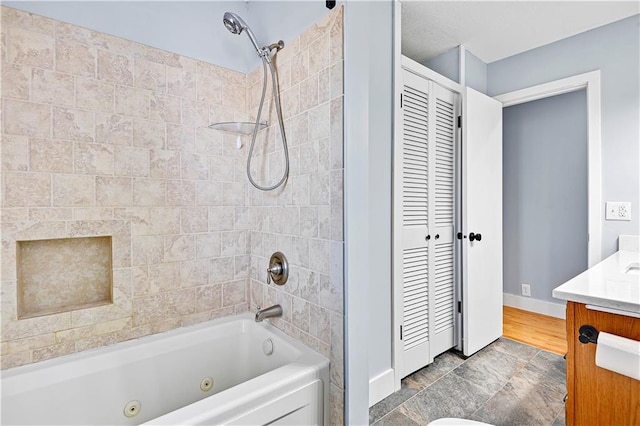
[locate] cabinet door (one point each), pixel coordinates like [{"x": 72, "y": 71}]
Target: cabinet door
[{"x": 597, "y": 396}]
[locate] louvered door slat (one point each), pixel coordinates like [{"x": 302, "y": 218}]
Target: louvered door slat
[
  {"x": 444, "y": 168},
  {"x": 416, "y": 297},
  {"x": 415, "y": 157},
  {"x": 443, "y": 291}
]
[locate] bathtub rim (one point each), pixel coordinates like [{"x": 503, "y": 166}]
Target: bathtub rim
[{"x": 89, "y": 359}]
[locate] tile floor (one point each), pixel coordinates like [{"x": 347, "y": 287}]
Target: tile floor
[{"x": 506, "y": 383}]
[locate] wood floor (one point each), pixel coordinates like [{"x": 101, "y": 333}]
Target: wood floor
[{"x": 537, "y": 330}]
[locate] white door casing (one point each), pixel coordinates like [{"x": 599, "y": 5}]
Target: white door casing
[
  {"x": 590, "y": 82},
  {"x": 481, "y": 214}
]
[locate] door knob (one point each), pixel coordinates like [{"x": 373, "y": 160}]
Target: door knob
[
  {"x": 428, "y": 237},
  {"x": 475, "y": 237},
  {"x": 437, "y": 236}
]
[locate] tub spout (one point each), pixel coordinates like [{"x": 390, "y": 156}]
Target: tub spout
[{"x": 271, "y": 311}]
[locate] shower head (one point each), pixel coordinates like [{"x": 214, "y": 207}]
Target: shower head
[{"x": 236, "y": 25}]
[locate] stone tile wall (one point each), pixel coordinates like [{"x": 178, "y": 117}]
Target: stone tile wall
[
  {"x": 304, "y": 219},
  {"x": 106, "y": 137}
]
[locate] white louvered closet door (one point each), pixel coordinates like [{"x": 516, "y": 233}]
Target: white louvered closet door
[
  {"x": 425, "y": 217},
  {"x": 414, "y": 188},
  {"x": 442, "y": 174}
]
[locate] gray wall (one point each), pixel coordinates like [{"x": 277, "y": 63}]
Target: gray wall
[
  {"x": 380, "y": 155},
  {"x": 447, "y": 64},
  {"x": 614, "y": 49},
  {"x": 368, "y": 142},
  {"x": 281, "y": 20},
  {"x": 545, "y": 193},
  {"x": 189, "y": 28},
  {"x": 475, "y": 72}
]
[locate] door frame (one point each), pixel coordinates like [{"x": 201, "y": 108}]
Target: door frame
[
  {"x": 405, "y": 63},
  {"x": 591, "y": 82}
]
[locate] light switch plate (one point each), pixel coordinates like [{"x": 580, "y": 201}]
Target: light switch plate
[{"x": 618, "y": 210}]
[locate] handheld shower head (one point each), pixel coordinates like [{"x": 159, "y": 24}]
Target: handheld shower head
[
  {"x": 233, "y": 23},
  {"x": 236, "y": 25}
]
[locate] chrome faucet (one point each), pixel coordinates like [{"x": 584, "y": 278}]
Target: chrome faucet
[{"x": 271, "y": 311}]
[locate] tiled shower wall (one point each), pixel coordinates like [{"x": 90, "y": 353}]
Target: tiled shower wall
[
  {"x": 304, "y": 219},
  {"x": 103, "y": 136}
]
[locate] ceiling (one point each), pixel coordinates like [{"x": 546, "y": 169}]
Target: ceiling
[{"x": 493, "y": 30}]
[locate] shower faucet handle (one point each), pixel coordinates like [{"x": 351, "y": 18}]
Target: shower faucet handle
[
  {"x": 278, "y": 269},
  {"x": 275, "y": 269}
]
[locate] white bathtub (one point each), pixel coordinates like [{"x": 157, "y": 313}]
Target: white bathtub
[{"x": 164, "y": 373}]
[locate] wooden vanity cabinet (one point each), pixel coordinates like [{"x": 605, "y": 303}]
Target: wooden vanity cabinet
[{"x": 597, "y": 396}]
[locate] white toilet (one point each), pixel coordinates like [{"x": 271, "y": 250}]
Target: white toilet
[{"x": 448, "y": 421}]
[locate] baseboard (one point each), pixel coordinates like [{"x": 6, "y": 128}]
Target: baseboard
[
  {"x": 538, "y": 306},
  {"x": 381, "y": 387}
]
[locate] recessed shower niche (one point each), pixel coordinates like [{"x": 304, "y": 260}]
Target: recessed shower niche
[{"x": 63, "y": 274}]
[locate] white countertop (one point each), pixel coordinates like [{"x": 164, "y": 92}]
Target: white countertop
[{"x": 606, "y": 284}]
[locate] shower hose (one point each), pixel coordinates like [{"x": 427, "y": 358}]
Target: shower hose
[{"x": 276, "y": 95}]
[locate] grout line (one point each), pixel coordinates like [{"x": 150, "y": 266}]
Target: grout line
[
  {"x": 511, "y": 378},
  {"x": 491, "y": 397},
  {"x": 380, "y": 419},
  {"x": 558, "y": 415}
]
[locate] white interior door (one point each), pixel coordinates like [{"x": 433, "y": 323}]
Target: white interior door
[{"x": 481, "y": 221}]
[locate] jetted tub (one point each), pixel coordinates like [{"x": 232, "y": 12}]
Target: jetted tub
[{"x": 226, "y": 371}]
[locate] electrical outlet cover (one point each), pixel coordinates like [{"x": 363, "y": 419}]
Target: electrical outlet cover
[{"x": 617, "y": 210}]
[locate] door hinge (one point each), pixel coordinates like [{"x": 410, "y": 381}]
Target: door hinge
[
  {"x": 400, "y": 332},
  {"x": 459, "y": 121},
  {"x": 459, "y": 307},
  {"x": 400, "y": 100}
]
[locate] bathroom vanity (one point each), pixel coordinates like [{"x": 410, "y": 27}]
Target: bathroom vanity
[{"x": 606, "y": 297}]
